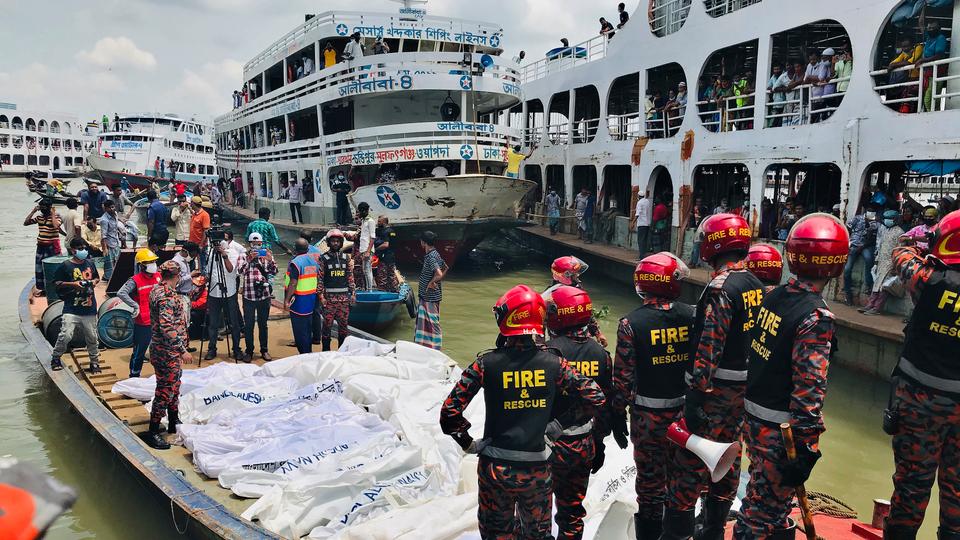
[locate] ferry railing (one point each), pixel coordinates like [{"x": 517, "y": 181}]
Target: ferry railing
[
  {"x": 910, "y": 95},
  {"x": 18, "y": 142},
  {"x": 585, "y": 130},
  {"x": 724, "y": 7},
  {"x": 533, "y": 136},
  {"x": 350, "y": 144},
  {"x": 18, "y": 126},
  {"x": 663, "y": 126},
  {"x": 805, "y": 108},
  {"x": 557, "y": 133},
  {"x": 724, "y": 114},
  {"x": 584, "y": 52},
  {"x": 625, "y": 126},
  {"x": 668, "y": 17},
  {"x": 372, "y": 67},
  {"x": 4, "y": 141}
]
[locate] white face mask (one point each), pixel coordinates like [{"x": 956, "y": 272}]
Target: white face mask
[{"x": 151, "y": 268}]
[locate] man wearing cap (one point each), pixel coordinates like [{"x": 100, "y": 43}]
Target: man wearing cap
[
  {"x": 180, "y": 215},
  {"x": 136, "y": 294},
  {"x": 266, "y": 230},
  {"x": 199, "y": 223},
  {"x": 257, "y": 268}
]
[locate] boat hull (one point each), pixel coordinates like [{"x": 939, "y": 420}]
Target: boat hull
[{"x": 376, "y": 310}]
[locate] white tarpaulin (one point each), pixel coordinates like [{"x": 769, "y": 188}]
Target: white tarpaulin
[{"x": 223, "y": 373}]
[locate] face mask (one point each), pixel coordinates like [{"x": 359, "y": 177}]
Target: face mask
[
  {"x": 151, "y": 268},
  {"x": 871, "y": 216},
  {"x": 888, "y": 223},
  {"x": 929, "y": 221},
  {"x": 81, "y": 254},
  {"x": 188, "y": 258}
]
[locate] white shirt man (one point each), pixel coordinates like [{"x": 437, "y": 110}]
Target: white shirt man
[
  {"x": 294, "y": 192},
  {"x": 307, "y": 65},
  {"x": 439, "y": 172},
  {"x": 644, "y": 211},
  {"x": 353, "y": 50},
  {"x": 368, "y": 232},
  {"x": 229, "y": 278}
]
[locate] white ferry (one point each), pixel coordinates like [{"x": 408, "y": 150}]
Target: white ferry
[
  {"x": 601, "y": 113},
  {"x": 141, "y": 148},
  {"x": 442, "y": 96},
  {"x": 40, "y": 142}
]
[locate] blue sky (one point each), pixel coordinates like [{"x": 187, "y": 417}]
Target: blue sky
[{"x": 185, "y": 56}]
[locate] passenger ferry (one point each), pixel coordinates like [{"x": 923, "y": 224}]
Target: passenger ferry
[
  {"x": 40, "y": 142},
  {"x": 438, "y": 95},
  {"x": 141, "y": 148},
  {"x": 679, "y": 104}
]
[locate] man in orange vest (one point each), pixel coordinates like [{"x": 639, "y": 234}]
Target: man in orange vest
[{"x": 136, "y": 294}]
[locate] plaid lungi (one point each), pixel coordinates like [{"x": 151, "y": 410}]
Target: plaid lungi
[{"x": 428, "y": 331}]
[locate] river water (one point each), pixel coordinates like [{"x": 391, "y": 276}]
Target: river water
[{"x": 36, "y": 424}]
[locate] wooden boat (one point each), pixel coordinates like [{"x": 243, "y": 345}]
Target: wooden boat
[
  {"x": 199, "y": 507},
  {"x": 378, "y": 309}
]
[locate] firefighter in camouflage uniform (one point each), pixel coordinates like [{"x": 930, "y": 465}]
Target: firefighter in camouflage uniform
[
  {"x": 924, "y": 417},
  {"x": 579, "y": 449},
  {"x": 713, "y": 404},
  {"x": 787, "y": 381},
  {"x": 653, "y": 353},
  {"x": 168, "y": 350},
  {"x": 336, "y": 288},
  {"x": 521, "y": 382}
]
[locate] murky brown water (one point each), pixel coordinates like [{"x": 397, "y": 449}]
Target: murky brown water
[{"x": 36, "y": 424}]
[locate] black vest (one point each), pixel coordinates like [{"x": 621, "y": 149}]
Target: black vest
[
  {"x": 745, "y": 292},
  {"x": 335, "y": 265},
  {"x": 932, "y": 337},
  {"x": 519, "y": 390},
  {"x": 770, "y": 378},
  {"x": 590, "y": 359},
  {"x": 386, "y": 234},
  {"x": 662, "y": 352}
]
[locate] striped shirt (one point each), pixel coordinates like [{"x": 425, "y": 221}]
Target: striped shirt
[
  {"x": 432, "y": 262},
  {"x": 47, "y": 232}
]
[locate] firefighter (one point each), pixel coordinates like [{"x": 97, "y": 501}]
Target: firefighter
[
  {"x": 521, "y": 383},
  {"x": 335, "y": 288},
  {"x": 713, "y": 404},
  {"x": 579, "y": 450},
  {"x": 765, "y": 262},
  {"x": 924, "y": 418},
  {"x": 789, "y": 350},
  {"x": 653, "y": 353},
  {"x": 567, "y": 271}
]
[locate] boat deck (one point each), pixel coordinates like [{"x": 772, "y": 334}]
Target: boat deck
[{"x": 114, "y": 364}]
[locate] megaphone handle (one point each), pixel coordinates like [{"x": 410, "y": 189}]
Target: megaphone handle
[{"x": 808, "y": 528}]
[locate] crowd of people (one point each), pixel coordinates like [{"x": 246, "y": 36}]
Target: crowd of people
[{"x": 910, "y": 73}]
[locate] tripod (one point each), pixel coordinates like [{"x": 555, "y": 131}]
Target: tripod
[{"x": 216, "y": 267}]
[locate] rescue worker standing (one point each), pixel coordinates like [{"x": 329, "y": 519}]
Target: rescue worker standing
[
  {"x": 136, "y": 294},
  {"x": 335, "y": 288},
  {"x": 578, "y": 450},
  {"x": 789, "y": 351},
  {"x": 924, "y": 418},
  {"x": 713, "y": 405},
  {"x": 521, "y": 383},
  {"x": 567, "y": 271},
  {"x": 765, "y": 262},
  {"x": 168, "y": 351},
  {"x": 300, "y": 295},
  {"x": 653, "y": 354}
]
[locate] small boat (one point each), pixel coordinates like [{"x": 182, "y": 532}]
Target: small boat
[
  {"x": 55, "y": 173},
  {"x": 378, "y": 309}
]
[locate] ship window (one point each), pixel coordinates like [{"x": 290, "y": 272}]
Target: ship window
[
  {"x": 584, "y": 176},
  {"x": 4, "y": 159},
  {"x": 42, "y": 126},
  {"x": 616, "y": 188},
  {"x": 534, "y": 173},
  {"x": 78, "y": 161},
  {"x": 304, "y": 124},
  {"x": 927, "y": 182},
  {"x": 555, "y": 180},
  {"x": 18, "y": 159},
  {"x": 720, "y": 187},
  {"x": 535, "y": 122},
  {"x": 273, "y": 78},
  {"x": 4, "y": 122},
  {"x": 406, "y": 45},
  {"x": 719, "y": 8},
  {"x": 665, "y": 104},
  {"x": 557, "y": 123},
  {"x": 31, "y": 125},
  {"x": 17, "y": 123},
  {"x": 337, "y": 117},
  {"x": 189, "y": 147},
  {"x": 623, "y": 107},
  {"x": 301, "y": 63},
  {"x": 793, "y": 190},
  {"x": 907, "y": 88},
  {"x": 798, "y": 56},
  {"x": 68, "y": 161},
  {"x": 725, "y": 91},
  {"x": 428, "y": 45},
  {"x": 448, "y": 46},
  {"x": 44, "y": 161},
  {"x": 32, "y": 159},
  {"x": 308, "y": 186},
  {"x": 178, "y": 144},
  {"x": 276, "y": 131},
  {"x": 586, "y": 114},
  {"x": 667, "y": 16}
]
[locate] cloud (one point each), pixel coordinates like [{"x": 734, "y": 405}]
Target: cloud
[
  {"x": 118, "y": 52},
  {"x": 208, "y": 89},
  {"x": 35, "y": 86}
]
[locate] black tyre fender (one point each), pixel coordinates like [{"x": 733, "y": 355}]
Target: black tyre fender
[{"x": 411, "y": 304}]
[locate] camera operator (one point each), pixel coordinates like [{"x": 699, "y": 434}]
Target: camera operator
[
  {"x": 75, "y": 280},
  {"x": 258, "y": 268},
  {"x": 221, "y": 272}
]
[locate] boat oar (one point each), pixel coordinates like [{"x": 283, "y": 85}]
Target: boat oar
[{"x": 805, "y": 514}]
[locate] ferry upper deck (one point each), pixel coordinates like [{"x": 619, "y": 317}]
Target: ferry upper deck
[{"x": 39, "y": 140}]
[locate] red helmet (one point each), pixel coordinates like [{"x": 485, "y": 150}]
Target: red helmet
[
  {"x": 520, "y": 312},
  {"x": 945, "y": 244},
  {"x": 818, "y": 246},
  {"x": 660, "y": 274},
  {"x": 766, "y": 263},
  {"x": 334, "y": 233},
  {"x": 568, "y": 307},
  {"x": 723, "y": 233},
  {"x": 567, "y": 270}
]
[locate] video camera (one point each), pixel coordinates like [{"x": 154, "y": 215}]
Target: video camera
[{"x": 216, "y": 233}]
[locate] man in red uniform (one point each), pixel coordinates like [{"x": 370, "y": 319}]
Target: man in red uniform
[
  {"x": 765, "y": 262},
  {"x": 924, "y": 418},
  {"x": 653, "y": 353},
  {"x": 578, "y": 449},
  {"x": 521, "y": 383},
  {"x": 713, "y": 405},
  {"x": 789, "y": 350},
  {"x": 567, "y": 271}
]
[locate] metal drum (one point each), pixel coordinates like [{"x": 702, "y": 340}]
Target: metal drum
[
  {"x": 115, "y": 324},
  {"x": 50, "y": 266},
  {"x": 51, "y": 322}
]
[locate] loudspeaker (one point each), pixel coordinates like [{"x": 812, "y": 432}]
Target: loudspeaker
[{"x": 718, "y": 457}]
